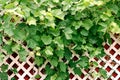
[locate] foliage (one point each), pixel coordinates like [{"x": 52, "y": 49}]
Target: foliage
[
  {"x": 54, "y": 29},
  {"x": 3, "y": 74}
]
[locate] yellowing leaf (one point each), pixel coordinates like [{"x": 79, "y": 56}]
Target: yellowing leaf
[
  {"x": 31, "y": 21},
  {"x": 58, "y": 13},
  {"x": 114, "y": 28},
  {"x": 49, "y": 51}
]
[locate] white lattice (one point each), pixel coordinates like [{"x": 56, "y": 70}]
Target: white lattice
[{"x": 27, "y": 70}]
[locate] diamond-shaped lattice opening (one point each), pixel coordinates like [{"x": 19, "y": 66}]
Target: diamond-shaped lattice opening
[
  {"x": 107, "y": 57},
  {"x": 82, "y": 75},
  {"x": 20, "y": 71},
  {"x": 26, "y": 65},
  {"x": 118, "y": 57},
  {"x": 108, "y": 69},
  {"x": 9, "y": 60},
  {"x": 112, "y": 40},
  {"x": 98, "y": 79},
  {"x": 97, "y": 69},
  {"x": 26, "y": 77},
  {"x": 113, "y": 63},
  {"x": 114, "y": 74},
  {"x": 48, "y": 64},
  {"x": 87, "y": 70},
  {"x": 43, "y": 71},
  {"x": 116, "y": 35},
  {"x": 118, "y": 68},
  {"x": 15, "y": 66},
  {"x": 32, "y": 71},
  {"x": 30, "y": 49},
  {"x": 117, "y": 46},
  {"x": 7, "y": 38},
  {"x": 24, "y": 43},
  {"x": 71, "y": 75},
  {"x": 119, "y": 79},
  {"x": 102, "y": 63},
  {"x": 16, "y": 77},
  {"x": 64, "y": 59},
  {"x": 19, "y": 61},
  {"x": 9, "y": 72},
  {"x": 106, "y": 46},
  {"x": 75, "y": 58},
  {"x": 31, "y": 60},
  {"x": 96, "y": 59},
  {"x": 112, "y": 52},
  {"x": 109, "y": 79},
  {"x": 87, "y": 79},
  {"x": 14, "y": 55}
]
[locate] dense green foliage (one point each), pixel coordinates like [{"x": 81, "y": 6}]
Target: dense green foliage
[{"x": 56, "y": 29}]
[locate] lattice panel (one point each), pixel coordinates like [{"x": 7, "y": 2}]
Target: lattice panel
[{"x": 27, "y": 70}]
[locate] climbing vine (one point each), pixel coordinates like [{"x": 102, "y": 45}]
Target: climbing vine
[{"x": 53, "y": 30}]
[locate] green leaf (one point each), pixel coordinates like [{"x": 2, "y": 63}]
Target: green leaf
[
  {"x": 59, "y": 42},
  {"x": 58, "y": 13},
  {"x": 83, "y": 62},
  {"x": 4, "y": 67},
  {"x": 103, "y": 73},
  {"x": 31, "y": 43},
  {"x": 95, "y": 52},
  {"x": 37, "y": 76},
  {"x": 63, "y": 67},
  {"x": 67, "y": 54},
  {"x": 49, "y": 71},
  {"x": 54, "y": 61},
  {"x": 13, "y": 78},
  {"x": 114, "y": 8},
  {"x": 1, "y": 39},
  {"x": 103, "y": 27},
  {"x": 59, "y": 78},
  {"x": 39, "y": 61},
  {"x": 87, "y": 24},
  {"x": 9, "y": 30},
  {"x": 56, "y": 1},
  {"x": 64, "y": 75},
  {"x": 53, "y": 77},
  {"x": 20, "y": 34},
  {"x": 8, "y": 48},
  {"x": 95, "y": 64},
  {"x": 77, "y": 70},
  {"x": 60, "y": 53},
  {"x": 16, "y": 47},
  {"x": 84, "y": 32},
  {"x": 3, "y": 1},
  {"x": 31, "y": 21},
  {"x": 49, "y": 51},
  {"x": 10, "y": 5},
  {"x": 1, "y": 57},
  {"x": 23, "y": 54},
  {"x": 46, "y": 39},
  {"x": 14, "y": 70},
  {"x": 108, "y": 38},
  {"x": 77, "y": 25},
  {"x": 68, "y": 31},
  {"x": 55, "y": 32},
  {"x": 3, "y": 76}
]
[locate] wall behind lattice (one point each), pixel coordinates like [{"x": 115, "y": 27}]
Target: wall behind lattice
[{"x": 27, "y": 70}]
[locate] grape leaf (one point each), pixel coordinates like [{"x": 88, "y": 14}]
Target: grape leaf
[{"x": 46, "y": 39}]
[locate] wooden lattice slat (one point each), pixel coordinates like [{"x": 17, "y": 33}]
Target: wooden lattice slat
[{"x": 27, "y": 70}]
